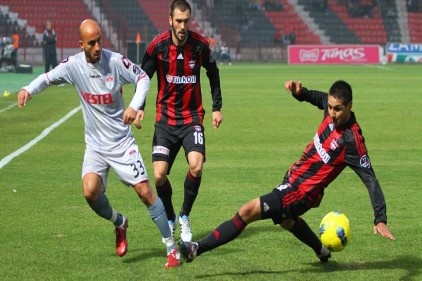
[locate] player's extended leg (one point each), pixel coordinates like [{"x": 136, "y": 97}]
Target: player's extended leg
[
  {"x": 98, "y": 201},
  {"x": 164, "y": 191},
  {"x": 191, "y": 188},
  {"x": 225, "y": 232},
  {"x": 301, "y": 230},
  {"x": 156, "y": 210}
]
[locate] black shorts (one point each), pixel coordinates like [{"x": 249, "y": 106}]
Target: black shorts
[
  {"x": 168, "y": 140},
  {"x": 277, "y": 207}
]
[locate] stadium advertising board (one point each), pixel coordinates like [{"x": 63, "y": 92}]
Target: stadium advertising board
[
  {"x": 398, "y": 52},
  {"x": 334, "y": 54}
]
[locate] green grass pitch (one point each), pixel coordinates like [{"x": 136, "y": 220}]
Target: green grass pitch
[{"x": 48, "y": 232}]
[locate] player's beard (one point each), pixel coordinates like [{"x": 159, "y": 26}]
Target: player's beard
[{"x": 180, "y": 35}]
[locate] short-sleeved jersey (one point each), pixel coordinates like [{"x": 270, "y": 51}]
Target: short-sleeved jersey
[
  {"x": 179, "y": 98},
  {"x": 330, "y": 151},
  {"x": 99, "y": 87}
]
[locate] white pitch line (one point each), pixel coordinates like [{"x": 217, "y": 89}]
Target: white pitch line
[
  {"x": 9, "y": 107},
  {"x": 8, "y": 158}
]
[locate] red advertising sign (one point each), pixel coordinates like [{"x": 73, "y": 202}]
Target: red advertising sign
[{"x": 334, "y": 54}]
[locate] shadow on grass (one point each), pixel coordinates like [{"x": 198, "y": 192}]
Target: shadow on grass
[
  {"x": 145, "y": 254},
  {"x": 410, "y": 264}
]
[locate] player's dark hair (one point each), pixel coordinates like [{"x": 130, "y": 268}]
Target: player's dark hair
[
  {"x": 341, "y": 90},
  {"x": 182, "y": 5}
]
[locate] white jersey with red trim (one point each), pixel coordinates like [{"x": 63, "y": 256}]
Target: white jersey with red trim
[{"x": 99, "y": 87}]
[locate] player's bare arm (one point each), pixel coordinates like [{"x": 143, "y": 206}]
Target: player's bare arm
[
  {"x": 23, "y": 97},
  {"x": 382, "y": 229},
  {"x": 294, "y": 87},
  {"x": 129, "y": 116},
  {"x": 139, "y": 118},
  {"x": 217, "y": 118}
]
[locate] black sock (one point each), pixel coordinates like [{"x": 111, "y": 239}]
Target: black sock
[
  {"x": 165, "y": 192},
  {"x": 224, "y": 233},
  {"x": 304, "y": 233},
  {"x": 191, "y": 192}
]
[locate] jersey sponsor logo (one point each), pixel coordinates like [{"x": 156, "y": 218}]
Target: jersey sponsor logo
[
  {"x": 192, "y": 64},
  {"x": 94, "y": 76},
  {"x": 98, "y": 98},
  {"x": 365, "y": 162},
  {"x": 136, "y": 69},
  {"x": 180, "y": 56},
  {"x": 321, "y": 151},
  {"x": 160, "y": 150},
  {"x": 181, "y": 79}
]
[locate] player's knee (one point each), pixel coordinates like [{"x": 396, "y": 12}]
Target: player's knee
[
  {"x": 287, "y": 224},
  {"x": 196, "y": 171},
  {"x": 160, "y": 178},
  {"x": 250, "y": 211},
  {"x": 145, "y": 192}
]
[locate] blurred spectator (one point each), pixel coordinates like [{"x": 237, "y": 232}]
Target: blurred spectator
[
  {"x": 292, "y": 38},
  {"x": 16, "y": 40},
  {"x": 213, "y": 46},
  {"x": 6, "y": 46},
  {"x": 49, "y": 44},
  {"x": 225, "y": 54},
  {"x": 273, "y": 5},
  {"x": 278, "y": 37}
]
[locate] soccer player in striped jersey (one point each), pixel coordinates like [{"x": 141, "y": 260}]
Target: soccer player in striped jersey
[
  {"x": 337, "y": 144},
  {"x": 177, "y": 56},
  {"x": 98, "y": 75}
]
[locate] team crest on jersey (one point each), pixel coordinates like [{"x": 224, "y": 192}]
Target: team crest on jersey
[
  {"x": 133, "y": 153},
  {"x": 334, "y": 144},
  {"x": 331, "y": 125},
  {"x": 192, "y": 64},
  {"x": 109, "y": 81},
  {"x": 365, "y": 162},
  {"x": 136, "y": 69},
  {"x": 198, "y": 128}
]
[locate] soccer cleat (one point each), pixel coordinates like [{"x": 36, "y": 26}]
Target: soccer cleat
[
  {"x": 172, "y": 226},
  {"x": 185, "y": 230},
  {"x": 121, "y": 241},
  {"x": 188, "y": 250},
  {"x": 324, "y": 255},
  {"x": 173, "y": 259}
]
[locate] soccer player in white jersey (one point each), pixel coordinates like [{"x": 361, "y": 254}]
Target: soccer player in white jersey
[{"x": 98, "y": 76}]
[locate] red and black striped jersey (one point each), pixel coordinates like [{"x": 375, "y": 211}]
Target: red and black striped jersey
[
  {"x": 179, "y": 98},
  {"x": 330, "y": 151}
]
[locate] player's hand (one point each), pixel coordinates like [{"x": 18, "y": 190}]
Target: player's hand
[
  {"x": 23, "y": 97},
  {"x": 129, "y": 116},
  {"x": 217, "y": 118},
  {"x": 139, "y": 117},
  {"x": 294, "y": 87},
  {"x": 382, "y": 229}
]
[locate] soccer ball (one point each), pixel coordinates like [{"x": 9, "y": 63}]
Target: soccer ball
[{"x": 334, "y": 231}]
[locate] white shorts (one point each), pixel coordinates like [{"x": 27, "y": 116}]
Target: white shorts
[{"x": 126, "y": 162}]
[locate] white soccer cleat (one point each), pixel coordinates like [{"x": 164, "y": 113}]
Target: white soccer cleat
[{"x": 185, "y": 229}]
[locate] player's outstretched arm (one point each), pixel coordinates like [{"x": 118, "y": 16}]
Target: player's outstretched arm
[
  {"x": 382, "y": 229},
  {"x": 23, "y": 97},
  {"x": 217, "y": 118},
  {"x": 294, "y": 87}
]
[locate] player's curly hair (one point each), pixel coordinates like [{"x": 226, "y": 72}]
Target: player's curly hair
[
  {"x": 182, "y": 5},
  {"x": 341, "y": 90}
]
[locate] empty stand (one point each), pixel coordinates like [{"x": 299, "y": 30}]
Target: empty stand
[{"x": 66, "y": 17}]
